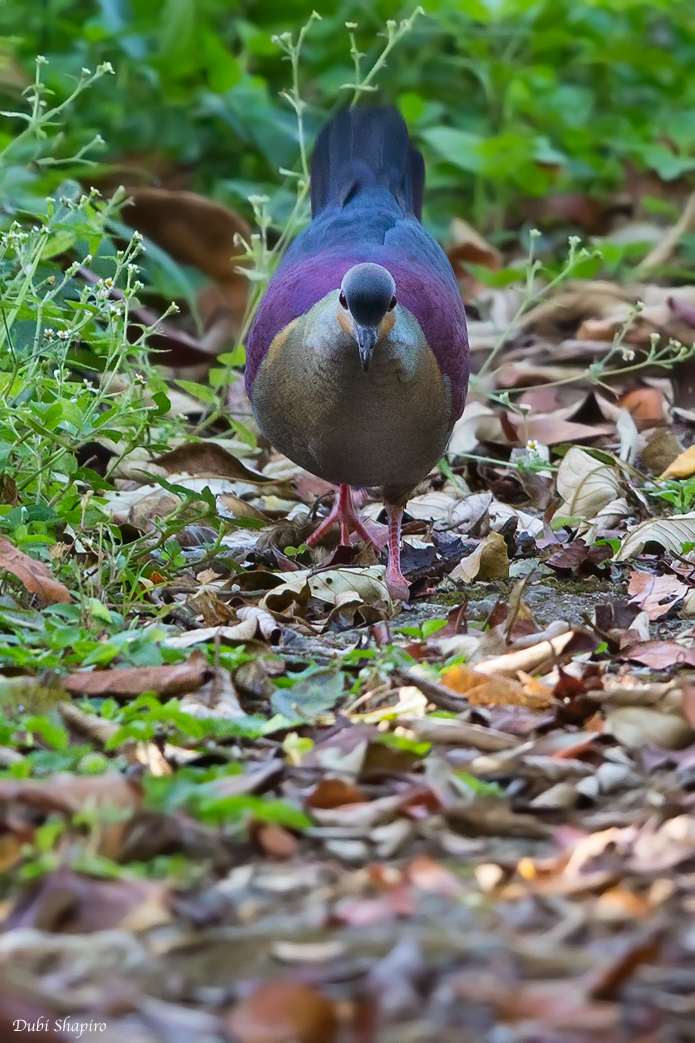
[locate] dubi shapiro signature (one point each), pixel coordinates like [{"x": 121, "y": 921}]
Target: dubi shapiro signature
[{"x": 59, "y": 1025}]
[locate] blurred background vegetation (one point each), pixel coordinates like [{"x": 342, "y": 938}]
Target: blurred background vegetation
[{"x": 509, "y": 99}]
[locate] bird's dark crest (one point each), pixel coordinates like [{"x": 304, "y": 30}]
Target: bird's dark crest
[{"x": 363, "y": 148}]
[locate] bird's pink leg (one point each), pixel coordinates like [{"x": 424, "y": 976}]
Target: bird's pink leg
[
  {"x": 343, "y": 511},
  {"x": 395, "y": 580}
]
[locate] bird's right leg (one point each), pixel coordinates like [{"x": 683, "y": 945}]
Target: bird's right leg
[{"x": 344, "y": 512}]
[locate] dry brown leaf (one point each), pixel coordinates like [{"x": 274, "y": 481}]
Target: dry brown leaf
[
  {"x": 363, "y": 815},
  {"x": 367, "y": 583},
  {"x": 637, "y": 726},
  {"x": 427, "y": 875},
  {"x": 559, "y": 1005},
  {"x": 208, "y": 459},
  {"x": 35, "y": 575},
  {"x": 492, "y": 816},
  {"x": 469, "y": 246},
  {"x": 74, "y": 903},
  {"x": 68, "y": 793},
  {"x": 580, "y": 300},
  {"x": 284, "y": 1011},
  {"x": 682, "y": 467},
  {"x": 196, "y": 231},
  {"x": 498, "y": 689},
  {"x": 662, "y": 447},
  {"x": 688, "y": 703},
  {"x": 450, "y": 731},
  {"x": 670, "y": 533},
  {"x": 655, "y": 594},
  {"x": 585, "y": 484},
  {"x": 487, "y": 562},
  {"x": 537, "y": 658},
  {"x": 333, "y": 793},
  {"x": 175, "y": 679},
  {"x": 661, "y": 655},
  {"x": 550, "y": 429},
  {"x": 273, "y": 840}
]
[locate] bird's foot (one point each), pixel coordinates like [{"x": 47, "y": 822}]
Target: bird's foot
[
  {"x": 396, "y": 582},
  {"x": 345, "y": 513}
]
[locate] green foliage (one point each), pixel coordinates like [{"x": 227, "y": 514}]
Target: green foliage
[
  {"x": 507, "y": 97},
  {"x": 196, "y": 790},
  {"x": 679, "y": 493}
]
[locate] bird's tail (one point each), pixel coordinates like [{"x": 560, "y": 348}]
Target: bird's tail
[{"x": 362, "y": 148}]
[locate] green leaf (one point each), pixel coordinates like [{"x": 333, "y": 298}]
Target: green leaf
[
  {"x": 479, "y": 786},
  {"x": 200, "y": 391},
  {"x": 309, "y": 698},
  {"x": 459, "y": 147},
  {"x": 51, "y": 732}
]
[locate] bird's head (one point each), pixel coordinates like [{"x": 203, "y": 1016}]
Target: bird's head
[{"x": 368, "y": 295}]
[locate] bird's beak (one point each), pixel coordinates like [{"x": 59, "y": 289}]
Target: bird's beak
[{"x": 367, "y": 337}]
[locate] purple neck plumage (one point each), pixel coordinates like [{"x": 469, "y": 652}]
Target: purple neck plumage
[{"x": 426, "y": 296}]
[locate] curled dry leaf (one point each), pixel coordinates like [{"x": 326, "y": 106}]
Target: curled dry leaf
[
  {"x": 669, "y": 533},
  {"x": 284, "y": 1011},
  {"x": 538, "y": 658},
  {"x": 682, "y": 467},
  {"x": 487, "y": 562},
  {"x": 363, "y": 816},
  {"x": 246, "y": 630},
  {"x": 586, "y": 485},
  {"x": 368, "y": 583},
  {"x": 579, "y": 559},
  {"x": 266, "y": 626},
  {"x": 451, "y": 731},
  {"x": 36, "y": 576}
]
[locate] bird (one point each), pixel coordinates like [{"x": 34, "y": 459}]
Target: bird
[{"x": 357, "y": 359}]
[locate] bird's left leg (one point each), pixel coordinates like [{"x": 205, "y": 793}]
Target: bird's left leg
[
  {"x": 344, "y": 512},
  {"x": 395, "y": 580}
]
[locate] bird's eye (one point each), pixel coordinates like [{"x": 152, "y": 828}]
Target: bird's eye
[
  {"x": 393, "y": 303},
  {"x": 343, "y": 300}
]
